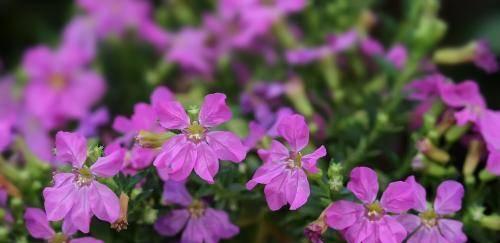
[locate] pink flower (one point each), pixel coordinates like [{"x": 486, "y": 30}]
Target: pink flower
[
  {"x": 397, "y": 55},
  {"x": 200, "y": 222},
  {"x": 77, "y": 196},
  {"x": 372, "y": 220},
  {"x": 284, "y": 170},
  {"x": 484, "y": 58},
  {"x": 39, "y": 227},
  {"x": 197, "y": 146},
  {"x": 431, "y": 224}
]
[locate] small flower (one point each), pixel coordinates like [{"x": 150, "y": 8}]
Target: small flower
[
  {"x": 77, "y": 196},
  {"x": 200, "y": 222},
  {"x": 38, "y": 227},
  {"x": 484, "y": 58},
  {"x": 397, "y": 55},
  {"x": 197, "y": 146},
  {"x": 283, "y": 171},
  {"x": 431, "y": 224},
  {"x": 372, "y": 220}
]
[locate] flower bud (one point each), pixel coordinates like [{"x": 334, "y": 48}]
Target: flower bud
[
  {"x": 93, "y": 153},
  {"x": 121, "y": 223},
  {"x": 432, "y": 152},
  {"x": 491, "y": 222},
  {"x": 473, "y": 157},
  {"x": 147, "y": 139},
  {"x": 456, "y": 132},
  {"x": 316, "y": 229}
]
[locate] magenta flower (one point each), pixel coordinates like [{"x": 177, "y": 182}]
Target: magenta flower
[
  {"x": 39, "y": 227},
  {"x": 284, "y": 170},
  {"x": 372, "y": 220},
  {"x": 484, "y": 58},
  {"x": 343, "y": 41},
  {"x": 90, "y": 123},
  {"x": 303, "y": 56},
  {"x": 200, "y": 222},
  {"x": 59, "y": 88},
  {"x": 77, "y": 196},
  {"x": 431, "y": 224},
  {"x": 371, "y": 47},
  {"x": 80, "y": 39},
  {"x": 197, "y": 146},
  {"x": 397, "y": 55}
]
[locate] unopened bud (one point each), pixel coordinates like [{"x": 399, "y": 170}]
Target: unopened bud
[
  {"x": 456, "y": 132},
  {"x": 147, "y": 139},
  {"x": 473, "y": 157},
  {"x": 121, "y": 223},
  {"x": 455, "y": 55},
  {"x": 94, "y": 153},
  {"x": 334, "y": 169},
  {"x": 491, "y": 222},
  {"x": 316, "y": 229},
  {"x": 432, "y": 152}
]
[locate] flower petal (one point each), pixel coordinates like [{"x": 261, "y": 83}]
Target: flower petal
[
  {"x": 277, "y": 152},
  {"x": 207, "y": 164},
  {"x": 37, "y": 224},
  {"x": 449, "y": 197},
  {"x": 363, "y": 184},
  {"x": 80, "y": 214},
  {"x": 409, "y": 221},
  {"x": 214, "y": 110},
  {"x": 71, "y": 147},
  {"x": 398, "y": 197},
  {"x": 275, "y": 192},
  {"x": 104, "y": 202},
  {"x": 452, "y": 230},
  {"x": 172, "y": 223},
  {"x": 110, "y": 165},
  {"x": 183, "y": 163},
  {"x": 171, "y": 115},
  {"x": 176, "y": 192},
  {"x": 161, "y": 94},
  {"x": 227, "y": 146},
  {"x": 297, "y": 189},
  {"x": 86, "y": 240},
  {"x": 361, "y": 231},
  {"x": 295, "y": 131},
  {"x": 265, "y": 174},
  {"x": 309, "y": 160},
  {"x": 420, "y": 202},
  {"x": 390, "y": 230},
  {"x": 170, "y": 149},
  {"x": 59, "y": 200},
  {"x": 342, "y": 214},
  {"x": 493, "y": 163},
  {"x": 195, "y": 231},
  {"x": 218, "y": 223}
]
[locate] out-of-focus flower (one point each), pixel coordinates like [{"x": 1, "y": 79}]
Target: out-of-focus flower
[
  {"x": 258, "y": 130},
  {"x": 197, "y": 146},
  {"x": 478, "y": 52},
  {"x": 59, "y": 87},
  {"x": 371, "y": 47},
  {"x": 484, "y": 58},
  {"x": 77, "y": 196},
  {"x": 371, "y": 221},
  {"x": 397, "y": 55},
  {"x": 39, "y": 227},
  {"x": 198, "y": 222},
  {"x": 343, "y": 41},
  {"x": 302, "y": 56},
  {"x": 80, "y": 39},
  {"x": 89, "y": 125},
  {"x": 431, "y": 225},
  {"x": 283, "y": 171}
]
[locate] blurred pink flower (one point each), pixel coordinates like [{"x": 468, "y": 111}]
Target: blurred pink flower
[
  {"x": 484, "y": 58},
  {"x": 397, "y": 55}
]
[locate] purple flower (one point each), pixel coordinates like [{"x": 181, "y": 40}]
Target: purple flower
[
  {"x": 77, "y": 196},
  {"x": 6, "y": 134},
  {"x": 39, "y": 227},
  {"x": 284, "y": 170},
  {"x": 200, "y": 222},
  {"x": 484, "y": 58},
  {"x": 59, "y": 88},
  {"x": 265, "y": 126},
  {"x": 397, "y": 55},
  {"x": 371, "y": 47},
  {"x": 343, "y": 41},
  {"x": 302, "y": 56},
  {"x": 197, "y": 146},
  {"x": 90, "y": 123},
  {"x": 371, "y": 221},
  {"x": 80, "y": 39},
  {"x": 431, "y": 224}
]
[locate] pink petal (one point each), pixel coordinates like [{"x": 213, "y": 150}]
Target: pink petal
[
  {"x": 449, "y": 197},
  {"x": 86, "y": 240},
  {"x": 295, "y": 131},
  {"x": 171, "y": 115},
  {"x": 218, "y": 223},
  {"x": 265, "y": 174},
  {"x": 71, "y": 147},
  {"x": 206, "y": 165},
  {"x": 275, "y": 192},
  {"x": 59, "y": 200},
  {"x": 170, "y": 149},
  {"x": 195, "y": 232},
  {"x": 214, "y": 110},
  {"x": 452, "y": 230},
  {"x": 488, "y": 126},
  {"x": 227, "y": 146},
  {"x": 398, "y": 197},
  {"x": 361, "y": 231},
  {"x": 68, "y": 228},
  {"x": 390, "y": 230},
  {"x": 176, "y": 192},
  {"x": 363, "y": 184},
  {"x": 144, "y": 118},
  {"x": 425, "y": 234},
  {"x": 80, "y": 214},
  {"x": 297, "y": 189},
  {"x": 110, "y": 165},
  {"x": 104, "y": 202},
  {"x": 183, "y": 163},
  {"x": 277, "y": 152},
  {"x": 419, "y": 193},
  {"x": 493, "y": 163},
  {"x": 37, "y": 224},
  {"x": 309, "y": 160},
  {"x": 172, "y": 223},
  {"x": 342, "y": 214},
  {"x": 161, "y": 94},
  {"x": 122, "y": 124},
  {"x": 409, "y": 221}
]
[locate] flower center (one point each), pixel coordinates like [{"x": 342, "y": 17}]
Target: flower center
[
  {"x": 59, "y": 238},
  {"x": 195, "y": 132},
  {"x": 83, "y": 176},
  {"x": 295, "y": 160},
  {"x": 374, "y": 211},
  {"x": 57, "y": 81},
  {"x": 429, "y": 218},
  {"x": 268, "y": 2},
  {"x": 196, "y": 209}
]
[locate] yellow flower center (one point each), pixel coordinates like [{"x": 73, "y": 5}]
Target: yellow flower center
[
  {"x": 57, "y": 81},
  {"x": 295, "y": 160},
  {"x": 59, "y": 238},
  {"x": 83, "y": 176},
  {"x": 374, "y": 211},
  {"x": 429, "y": 218},
  {"x": 196, "y": 209},
  {"x": 195, "y": 132}
]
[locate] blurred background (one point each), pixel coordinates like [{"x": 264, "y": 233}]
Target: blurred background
[{"x": 25, "y": 23}]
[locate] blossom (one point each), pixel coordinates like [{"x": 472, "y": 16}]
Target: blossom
[
  {"x": 39, "y": 227},
  {"x": 371, "y": 221},
  {"x": 197, "y": 146},
  {"x": 284, "y": 170},
  {"x": 200, "y": 222},
  {"x": 90, "y": 123},
  {"x": 431, "y": 224},
  {"x": 484, "y": 58},
  {"x": 397, "y": 55},
  {"x": 77, "y": 196},
  {"x": 60, "y": 87}
]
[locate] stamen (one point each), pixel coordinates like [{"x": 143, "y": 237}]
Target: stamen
[
  {"x": 429, "y": 218},
  {"x": 195, "y": 132},
  {"x": 295, "y": 160},
  {"x": 374, "y": 211},
  {"x": 59, "y": 238},
  {"x": 196, "y": 209},
  {"x": 83, "y": 176}
]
